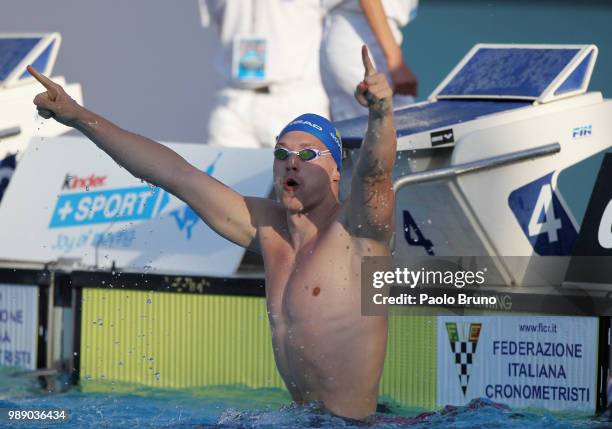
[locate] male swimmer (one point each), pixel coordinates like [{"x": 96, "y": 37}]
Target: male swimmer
[{"x": 312, "y": 244}]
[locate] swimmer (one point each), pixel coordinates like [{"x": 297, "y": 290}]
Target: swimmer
[{"x": 312, "y": 244}]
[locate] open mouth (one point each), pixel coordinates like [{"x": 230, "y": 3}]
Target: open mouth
[{"x": 291, "y": 184}]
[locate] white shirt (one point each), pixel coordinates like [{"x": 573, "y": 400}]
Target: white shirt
[
  {"x": 400, "y": 11},
  {"x": 292, "y": 28}
]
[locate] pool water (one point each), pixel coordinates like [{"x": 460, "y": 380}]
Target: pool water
[{"x": 119, "y": 405}]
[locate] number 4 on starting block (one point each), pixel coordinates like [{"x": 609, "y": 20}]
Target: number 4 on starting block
[{"x": 542, "y": 217}]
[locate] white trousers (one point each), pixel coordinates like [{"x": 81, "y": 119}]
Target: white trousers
[
  {"x": 245, "y": 118},
  {"x": 341, "y": 64}
]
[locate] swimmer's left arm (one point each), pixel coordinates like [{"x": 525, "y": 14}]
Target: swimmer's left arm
[{"x": 372, "y": 201}]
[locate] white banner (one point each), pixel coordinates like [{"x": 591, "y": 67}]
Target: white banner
[
  {"x": 522, "y": 361},
  {"x": 69, "y": 199},
  {"x": 18, "y": 325}
]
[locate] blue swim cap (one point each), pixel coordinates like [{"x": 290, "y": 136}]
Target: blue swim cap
[{"x": 322, "y": 129}]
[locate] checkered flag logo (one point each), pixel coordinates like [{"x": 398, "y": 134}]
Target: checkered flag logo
[{"x": 463, "y": 350}]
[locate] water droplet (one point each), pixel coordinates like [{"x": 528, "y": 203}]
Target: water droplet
[
  {"x": 157, "y": 376},
  {"x": 100, "y": 322},
  {"x": 149, "y": 301}
]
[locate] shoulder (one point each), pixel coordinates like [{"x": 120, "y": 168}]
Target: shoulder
[
  {"x": 265, "y": 211},
  {"x": 270, "y": 223},
  {"x": 348, "y": 221},
  {"x": 359, "y": 241}
]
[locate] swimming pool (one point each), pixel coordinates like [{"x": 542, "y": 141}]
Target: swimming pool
[{"x": 119, "y": 405}]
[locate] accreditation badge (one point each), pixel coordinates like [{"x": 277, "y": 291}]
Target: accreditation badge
[{"x": 250, "y": 60}]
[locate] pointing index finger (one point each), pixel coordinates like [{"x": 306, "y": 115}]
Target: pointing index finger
[
  {"x": 44, "y": 81},
  {"x": 367, "y": 62}
]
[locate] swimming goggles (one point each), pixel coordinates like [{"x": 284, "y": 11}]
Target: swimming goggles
[{"x": 282, "y": 154}]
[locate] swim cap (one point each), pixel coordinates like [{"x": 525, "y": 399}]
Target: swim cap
[{"x": 322, "y": 129}]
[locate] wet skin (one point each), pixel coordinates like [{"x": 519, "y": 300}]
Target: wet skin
[
  {"x": 324, "y": 349},
  {"x": 311, "y": 243}
]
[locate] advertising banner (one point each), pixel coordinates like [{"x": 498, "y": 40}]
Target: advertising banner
[
  {"x": 18, "y": 325},
  {"x": 522, "y": 361},
  {"x": 68, "y": 199}
]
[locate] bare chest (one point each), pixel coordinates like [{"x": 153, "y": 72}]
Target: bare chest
[{"x": 313, "y": 282}]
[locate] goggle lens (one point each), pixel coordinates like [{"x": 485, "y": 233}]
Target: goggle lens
[
  {"x": 307, "y": 154},
  {"x": 282, "y": 154}
]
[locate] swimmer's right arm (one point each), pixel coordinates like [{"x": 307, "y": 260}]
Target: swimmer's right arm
[{"x": 224, "y": 210}]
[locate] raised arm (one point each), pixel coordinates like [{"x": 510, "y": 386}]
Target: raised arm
[
  {"x": 227, "y": 212},
  {"x": 404, "y": 80},
  {"x": 372, "y": 202}
]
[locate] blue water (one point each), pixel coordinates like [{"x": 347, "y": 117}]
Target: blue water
[{"x": 131, "y": 406}]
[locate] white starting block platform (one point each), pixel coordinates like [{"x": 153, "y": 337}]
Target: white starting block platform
[
  {"x": 19, "y": 121},
  {"x": 502, "y": 158}
]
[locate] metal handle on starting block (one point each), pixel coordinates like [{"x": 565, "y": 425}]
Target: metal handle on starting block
[{"x": 473, "y": 166}]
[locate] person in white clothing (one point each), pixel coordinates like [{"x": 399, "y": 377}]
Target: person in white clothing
[
  {"x": 376, "y": 23},
  {"x": 269, "y": 62}
]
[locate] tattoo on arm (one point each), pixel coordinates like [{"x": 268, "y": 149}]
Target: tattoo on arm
[
  {"x": 372, "y": 171},
  {"x": 372, "y": 175}
]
